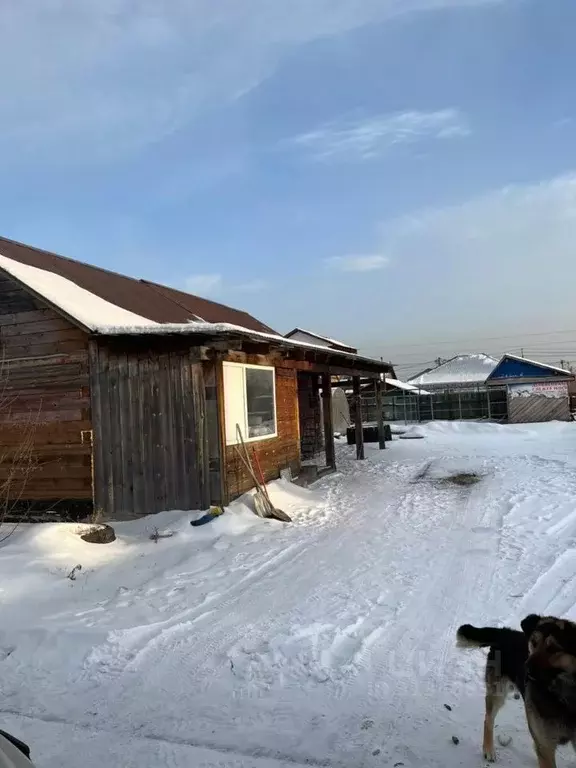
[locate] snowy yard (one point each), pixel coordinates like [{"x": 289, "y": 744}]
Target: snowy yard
[{"x": 330, "y": 642}]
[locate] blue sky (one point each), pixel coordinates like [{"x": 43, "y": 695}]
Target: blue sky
[{"x": 393, "y": 172}]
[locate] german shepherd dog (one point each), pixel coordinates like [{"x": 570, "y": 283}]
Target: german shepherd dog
[{"x": 540, "y": 663}]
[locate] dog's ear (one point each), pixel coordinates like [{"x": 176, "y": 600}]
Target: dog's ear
[{"x": 530, "y": 623}]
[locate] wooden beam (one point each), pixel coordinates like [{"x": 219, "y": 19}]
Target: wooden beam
[
  {"x": 358, "y": 419},
  {"x": 333, "y": 370},
  {"x": 225, "y": 345},
  {"x": 328, "y": 425},
  {"x": 224, "y": 485},
  {"x": 298, "y": 360},
  {"x": 347, "y": 382},
  {"x": 380, "y": 413}
]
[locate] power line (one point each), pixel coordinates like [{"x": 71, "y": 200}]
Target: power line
[
  {"x": 551, "y": 358},
  {"x": 408, "y": 360},
  {"x": 480, "y": 339},
  {"x": 546, "y": 344},
  {"x": 414, "y": 365}
]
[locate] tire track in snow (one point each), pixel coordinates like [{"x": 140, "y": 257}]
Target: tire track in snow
[
  {"x": 332, "y": 545},
  {"x": 425, "y": 645},
  {"x": 383, "y": 590},
  {"x": 124, "y": 650},
  {"x": 555, "y": 591},
  {"x": 544, "y": 512},
  {"x": 222, "y": 757}
]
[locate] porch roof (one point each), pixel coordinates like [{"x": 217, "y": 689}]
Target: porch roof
[{"x": 208, "y": 334}]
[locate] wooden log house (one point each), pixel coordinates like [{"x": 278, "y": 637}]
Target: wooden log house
[{"x": 129, "y": 392}]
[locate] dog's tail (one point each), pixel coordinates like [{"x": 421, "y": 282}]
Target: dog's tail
[{"x": 468, "y": 636}]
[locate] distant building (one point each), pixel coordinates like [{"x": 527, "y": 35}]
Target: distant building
[
  {"x": 535, "y": 391},
  {"x": 460, "y": 372},
  {"x": 299, "y": 334}
]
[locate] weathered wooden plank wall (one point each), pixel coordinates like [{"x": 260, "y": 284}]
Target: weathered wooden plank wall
[
  {"x": 44, "y": 398},
  {"x": 537, "y": 408},
  {"x": 150, "y": 437},
  {"x": 214, "y": 427},
  {"x": 275, "y": 453}
]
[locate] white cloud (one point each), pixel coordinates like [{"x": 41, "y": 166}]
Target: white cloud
[
  {"x": 253, "y": 286},
  {"x": 486, "y": 273},
  {"x": 101, "y": 78},
  {"x": 507, "y": 254},
  {"x": 204, "y": 285},
  {"x": 361, "y": 263},
  {"x": 519, "y": 221},
  {"x": 213, "y": 284},
  {"x": 374, "y": 136}
]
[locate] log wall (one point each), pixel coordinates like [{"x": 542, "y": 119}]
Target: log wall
[{"x": 44, "y": 403}]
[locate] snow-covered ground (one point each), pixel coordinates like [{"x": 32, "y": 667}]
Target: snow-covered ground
[{"x": 330, "y": 642}]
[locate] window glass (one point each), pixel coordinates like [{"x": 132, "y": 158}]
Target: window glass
[{"x": 260, "y": 402}]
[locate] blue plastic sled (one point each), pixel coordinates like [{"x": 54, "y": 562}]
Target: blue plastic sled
[{"x": 208, "y": 517}]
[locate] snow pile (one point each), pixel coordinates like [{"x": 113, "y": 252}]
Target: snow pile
[
  {"x": 248, "y": 643},
  {"x": 467, "y": 428},
  {"x": 78, "y": 303}
]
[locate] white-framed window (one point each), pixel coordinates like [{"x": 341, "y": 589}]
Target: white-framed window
[{"x": 250, "y": 401}]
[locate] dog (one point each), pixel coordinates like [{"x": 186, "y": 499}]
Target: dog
[{"x": 539, "y": 662}]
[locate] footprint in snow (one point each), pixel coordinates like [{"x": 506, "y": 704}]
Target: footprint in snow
[{"x": 6, "y": 652}]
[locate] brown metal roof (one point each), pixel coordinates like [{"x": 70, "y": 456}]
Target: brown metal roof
[{"x": 156, "y": 302}]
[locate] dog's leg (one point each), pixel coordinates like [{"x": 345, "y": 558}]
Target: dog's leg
[
  {"x": 546, "y": 754},
  {"x": 544, "y": 744},
  {"x": 495, "y": 698}
]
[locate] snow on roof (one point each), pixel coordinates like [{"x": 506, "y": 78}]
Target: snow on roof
[
  {"x": 406, "y": 387},
  {"x": 327, "y": 339},
  {"x": 460, "y": 370},
  {"x": 103, "y": 317},
  {"x": 159, "y": 329},
  {"x": 534, "y": 362},
  {"x": 82, "y": 305}
]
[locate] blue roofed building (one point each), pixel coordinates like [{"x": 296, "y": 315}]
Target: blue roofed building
[{"x": 536, "y": 391}]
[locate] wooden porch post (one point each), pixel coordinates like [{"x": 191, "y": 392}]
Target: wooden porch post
[
  {"x": 358, "y": 418},
  {"x": 224, "y": 484},
  {"x": 328, "y": 423},
  {"x": 316, "y": 401},
  {"x": 380, "y": 413}
]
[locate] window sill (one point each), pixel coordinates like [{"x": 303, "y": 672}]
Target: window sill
[{"x": 258, "y": 439}]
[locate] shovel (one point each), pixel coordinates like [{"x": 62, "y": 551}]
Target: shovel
[
  {"x": 277, "y": 513},
  {"x": 262, "y": 503}
]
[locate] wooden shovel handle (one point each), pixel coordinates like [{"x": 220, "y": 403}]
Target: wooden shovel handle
[{"x": 261, "y": 474}]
